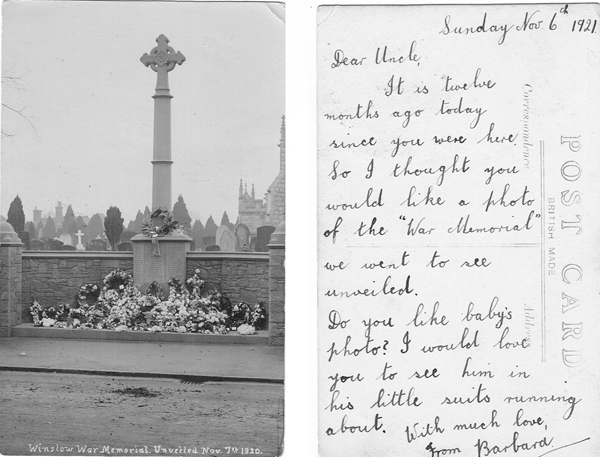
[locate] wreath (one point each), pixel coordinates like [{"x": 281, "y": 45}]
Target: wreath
[
  {"x": 88, "y": 291},
  {"x": 117, "y": 280},
  {"x": 155, "y": 290},
  {"x": 152, "y": 231}
]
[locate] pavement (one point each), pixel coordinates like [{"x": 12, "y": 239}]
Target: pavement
[{"x": 189, "y": 362}]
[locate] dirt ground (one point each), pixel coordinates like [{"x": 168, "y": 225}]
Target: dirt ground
[{"x": 65, "y": 414}]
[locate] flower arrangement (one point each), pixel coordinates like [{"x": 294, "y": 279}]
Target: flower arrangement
[
  {"x": 244, "y": 313},
  {"x": 155, "y": 290},
  {"x": 88, "y": 291},
  {"x": 168, "y": 226},
  {"x": 118, "y": 305},
  {"x": 195, "y": 284},
  {"x": 176, "y": 287},
  {"x": 39, "y": 313},
  {"x": 246, "y": 329},
  {"x": 117, "y": 280}
]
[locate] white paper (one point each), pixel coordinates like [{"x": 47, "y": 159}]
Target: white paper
[{"x": 458, "y": 230}]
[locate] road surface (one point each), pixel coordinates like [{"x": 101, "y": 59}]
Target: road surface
[{"x": 68, "y": 414}]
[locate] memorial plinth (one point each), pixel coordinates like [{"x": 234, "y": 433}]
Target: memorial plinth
[{"x": 171, "y": 263}]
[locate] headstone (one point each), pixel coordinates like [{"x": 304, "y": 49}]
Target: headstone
[
  {"x": 68, "y": 247},
  {"x": 24, "y": 236},
  {"x": 79, "y": 235},
  {"x": 66, "y": 239},
  {"x": 54, "y": 245},
  {"x": 208, "y": 241},
  {"x": 263, "y": 236},
  {"x": 242, "y": 237},
  {"x": 96, "y": 245},
  {"x": 225, "y": 238},
  {"x": 127, "y": 246},
  {"x": 127, "y": 236},
  {"x": 36, "y": 245},
  {"x": 213, "y": 247}
]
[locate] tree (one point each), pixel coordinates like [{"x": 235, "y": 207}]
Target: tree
[
  {"x": 113, "y": 226},
  {"x": 136, "y": 225},
  {"x": 30, "y": 227},
  {"x": 197, "y": 233},
  {"x": 9, "y": 84},
  {"x": 80, "y": 222},
  {"x": 225, "y": 220},
  {"x": 16, "y": 216},
  {"x": 210, "y": 229},
  {"x": 180, "y": 213},
  {"x": 69, "y": 225},
  {"x": 95, "y": 227},
  {"x": 49, "y": 229},
  {"x": 39, "y": 230}
]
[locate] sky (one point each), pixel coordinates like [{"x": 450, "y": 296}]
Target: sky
[{"x": 73, "y": 70}]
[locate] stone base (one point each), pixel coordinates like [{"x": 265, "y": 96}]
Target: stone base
[
  {"x": 159, "y": 261},
  {"x": 29, "y": 331}
]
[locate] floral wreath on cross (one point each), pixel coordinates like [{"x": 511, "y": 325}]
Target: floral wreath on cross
[
  {"x": 168, "y": 227},
  {"x": 154, "y": 231}
]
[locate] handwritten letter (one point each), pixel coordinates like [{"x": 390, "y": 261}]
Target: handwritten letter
[{"x": 459, "y": 234}]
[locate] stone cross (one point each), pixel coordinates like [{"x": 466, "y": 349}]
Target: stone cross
[
  {"x": 162, "y": 59},
  {"x": 79, "y": 234}
]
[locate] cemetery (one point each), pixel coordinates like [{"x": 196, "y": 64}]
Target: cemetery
[
  {"x": 142, "y": 285},
  {"x": 153, "y": 283}
]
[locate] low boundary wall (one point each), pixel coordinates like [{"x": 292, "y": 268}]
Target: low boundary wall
[{"x": 54, "y": 277}]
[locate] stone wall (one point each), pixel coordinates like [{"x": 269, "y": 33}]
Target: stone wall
[
  {"x": 10, "y": 287},
  {"x": 243, "y": 276},
  {"x": 277, "y": 286},
  {"x": 53, "y": 278}
]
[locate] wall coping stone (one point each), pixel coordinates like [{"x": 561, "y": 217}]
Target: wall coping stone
[
  {"x": 221, "y": 255},
  {"x": 124, "y": 255},
  {"x": 112, "y": 255}
]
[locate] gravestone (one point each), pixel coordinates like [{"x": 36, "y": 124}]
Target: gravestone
[
  {"x": 54, "y": 245},
  {"x": 213, "y": 247},
  {"x": 208, "y": 241},
  {"x": 36, "y": 245},
  {"x": 242, "y": 237},
  {"x": 225, "y": 238},
  {"x": 96, "y": 245},
  {"x": 68, "y": 247},
  {"x": 263, "y": 236},
  {"x": 66, "y": 239},
  {"x": 127, "y": 246},
  {"x": 79, "y": 235}
]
